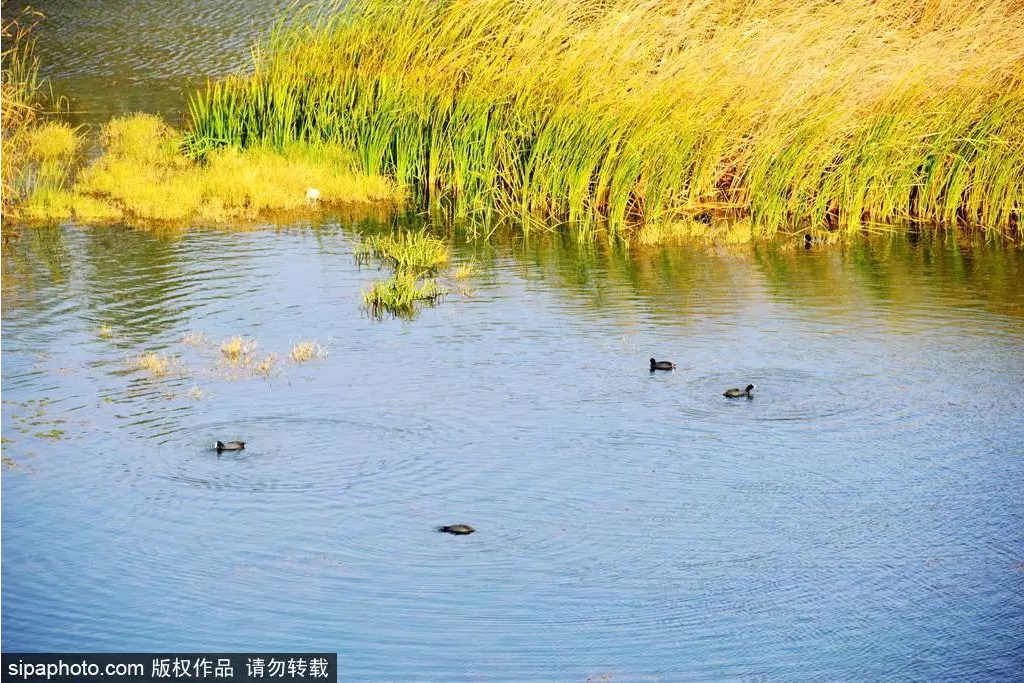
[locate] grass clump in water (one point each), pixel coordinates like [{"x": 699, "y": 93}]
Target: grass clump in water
[
  {"x": 305, "y": 351},
  {"x": 629, "y": 112},
  {"x": 399, "y": 295},
  {"x": 465, "y": 271},
  {"x": 237, "y": 351},
  {"x": 266, "y": 366},
  {"x": 152, "y": 362},
  {"x": 407, "y": 252}
]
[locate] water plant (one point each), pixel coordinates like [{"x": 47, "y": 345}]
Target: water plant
[
  {"x": 413, "y": 252},
  {"x": 152, "y": 362},
  {"x": 399, "y": 295},
  {"x": 627, "y": 112},
  {"x": 305, "y": 351},
  {"x": 38, "y": 154},
  {"x": 237, "y": 351},
  {"x": 265, "y": 366},
  {"x": 465, "y": 270}
]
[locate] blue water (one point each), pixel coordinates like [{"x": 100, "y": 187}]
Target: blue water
[{"x": 860, "y": 519}]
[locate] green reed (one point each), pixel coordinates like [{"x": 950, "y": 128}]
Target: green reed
[
  {"x": 399, "y": 295},
  {"x": 414, "y": 253},
  {"x": 629, "y": 113}
]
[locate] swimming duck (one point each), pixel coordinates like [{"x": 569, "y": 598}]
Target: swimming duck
[
  {"x": 457, "y": 529},
  {"x": 739, "y": 393},
  {"x": 229, "y": 446},
  {"x": 812, "y": 241},
  {"x": 662, "y": 365}
]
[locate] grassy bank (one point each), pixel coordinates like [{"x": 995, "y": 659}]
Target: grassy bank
[
  {"x": 141, "y": 174},
  {"x": 142, "y": 177},
  {"x": 826, "y": 113}
]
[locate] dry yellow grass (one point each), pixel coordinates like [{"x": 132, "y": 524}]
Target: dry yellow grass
[
  {"x": 465, "y": 271},
  {"x": 265, "y": 366},
  {"x": 152, "y": 362},
  {"x": 237, "y": 351},
  {"x": 305, "y": 351},
  {"x": 144, "y": 178}
]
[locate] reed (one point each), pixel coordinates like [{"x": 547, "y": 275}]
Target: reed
[
  {"x": 265, "y": 367},
  {"x": 628, "y": 112},
  {"x": 38, "y": 154}
]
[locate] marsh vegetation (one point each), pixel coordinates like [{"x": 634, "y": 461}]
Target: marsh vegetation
[
  {"x": 142, "y": 177},
  {"x": 399, "y": 295},
  {"x": 38, "y": 153},
  {"x": 415, "y": 258},
  {"x": 642, "y": 115},
  {"x": 656, "y": 122},
  {"x": 305, "y": 351}
]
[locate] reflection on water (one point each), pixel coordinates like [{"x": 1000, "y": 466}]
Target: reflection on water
[
  {"x": 111, "y": 57},
  {"x": 858, "y": 519}
]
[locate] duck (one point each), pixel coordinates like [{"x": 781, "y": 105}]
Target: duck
[
  {"x": 456, "y": 529},
  {"x": 662, "y": 365},
  {"x": 812, "y": 241},
  {"x": 229, "y": 446},
  {"x": 739, "y": 393}
]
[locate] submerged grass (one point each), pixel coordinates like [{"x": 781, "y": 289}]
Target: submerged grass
[
  {"x": 466, "y": 270},
  {"x": 238, "y": 351},
  {"x": 399, "y": 295},
  {"x": 407, "y": 252},
  {"x": 152, "y": 362},
  {"x": 305, "y": 351},
  {"x": 630, "y": 113}
]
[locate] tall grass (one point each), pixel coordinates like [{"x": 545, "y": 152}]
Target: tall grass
[
  {"x": 827, "y": 112},
  {"x": 38, "y": 154}
]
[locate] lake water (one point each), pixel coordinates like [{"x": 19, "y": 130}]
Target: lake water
[{"x": 860, "y": 519}]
